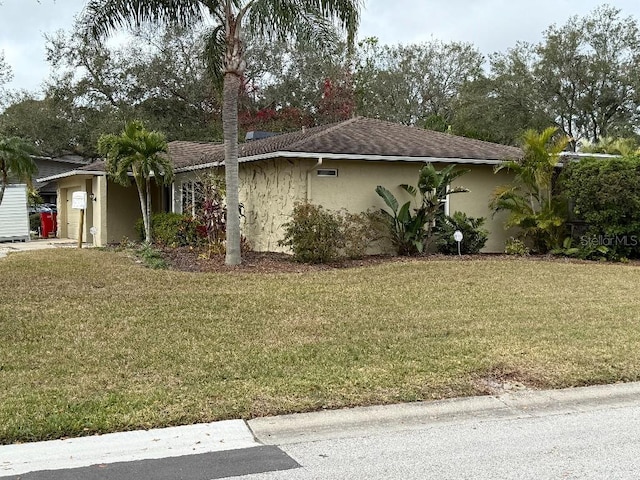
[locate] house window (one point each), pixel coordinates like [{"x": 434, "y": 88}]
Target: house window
[
  {"x": 327, "y": 172},
  {"x": 192, "y": 197}
]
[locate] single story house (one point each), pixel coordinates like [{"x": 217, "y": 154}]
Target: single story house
[{"x": 337, "y": 166}]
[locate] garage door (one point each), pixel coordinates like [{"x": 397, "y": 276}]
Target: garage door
[{"x": 73, "y": 215}]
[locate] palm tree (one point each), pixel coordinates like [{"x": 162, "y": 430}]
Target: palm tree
[
  {"x": 306, "y": 19},
  {"x": 531, "y": 201},
  {"x": 16, "y": 163},
  {"x": 612, "y": 146},
  {"x": 138, "y": 152}
]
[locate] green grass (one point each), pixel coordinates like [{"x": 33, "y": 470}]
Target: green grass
[{"x": 93, "y": 342}]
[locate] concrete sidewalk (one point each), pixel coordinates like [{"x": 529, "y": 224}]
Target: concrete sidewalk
[
  {"x": 306, "y": 427},
  {"x": 40, "y": 244},
  {"x": 125, "y": 447}
]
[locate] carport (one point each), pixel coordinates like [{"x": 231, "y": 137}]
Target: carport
[{"x": 112, "y": 210}]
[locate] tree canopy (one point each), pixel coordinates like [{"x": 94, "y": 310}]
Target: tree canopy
[
  {"x": 16, "y": 164},
  {"x": 579, "y": 78}
]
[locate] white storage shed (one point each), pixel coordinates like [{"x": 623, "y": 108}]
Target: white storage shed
[{"x": 14, "y": 219}]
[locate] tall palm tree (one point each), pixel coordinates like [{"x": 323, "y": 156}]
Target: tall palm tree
[
  {"x": 16, "y": 163},
  {"x": 530, "y": 200},
  {"x": 306, "y": 19},
  {"x": 138, "y": 152}
]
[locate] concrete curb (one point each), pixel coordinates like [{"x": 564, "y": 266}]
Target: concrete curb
[
  {"x": 305, "y": 427},
  {"x": 125, "y": 447},
  {"x": 360, "y": 421}
]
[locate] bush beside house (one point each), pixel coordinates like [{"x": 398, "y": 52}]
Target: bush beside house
[{"x": 605, "y": 196}]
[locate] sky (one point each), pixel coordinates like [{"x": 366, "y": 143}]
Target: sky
[{"x": 491, "y": 25}]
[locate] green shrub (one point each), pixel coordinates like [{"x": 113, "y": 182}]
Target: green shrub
[
  {"x": 605, "y": 193},
  {"x": 34, "y": 222},
  {"x": 151, "y": 257},
  {"x": 412, "y": 233},
  {"x": 359, "y": 231},
  {"x": 474, "y": 237},
  {"x": 313, "y": 234},
  {"x": 172, "y": 230},
  {"x": 513, "y": 246}
]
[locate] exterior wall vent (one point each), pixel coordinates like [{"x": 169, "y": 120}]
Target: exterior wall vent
[{"x": 327, "y": 172}]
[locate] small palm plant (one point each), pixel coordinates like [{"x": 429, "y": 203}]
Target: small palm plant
[
  {"x": 531, "y": 201},
  {"x": 412, "y": 232},
  {"x": 137, "y": 152}
]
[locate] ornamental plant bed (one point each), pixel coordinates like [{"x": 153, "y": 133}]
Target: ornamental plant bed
[{"x": 189, "y": 259}]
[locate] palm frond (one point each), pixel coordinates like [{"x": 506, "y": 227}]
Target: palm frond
[
  {"x": 314, "y": 21},
  {"x": 214, "y": 50},
  {"x": 102, "y": 17}
]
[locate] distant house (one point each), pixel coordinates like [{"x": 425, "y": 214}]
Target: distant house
[
  {"x": 51, "y": 166},
  {"x": 337, "y": 166}
]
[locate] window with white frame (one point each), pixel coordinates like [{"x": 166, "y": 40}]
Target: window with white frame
[
  {"x": 192, "y": 197},
  {"x": 446, "y": 202}
]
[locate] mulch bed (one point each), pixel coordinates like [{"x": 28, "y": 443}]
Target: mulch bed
[{"x": 197, "y": 260}]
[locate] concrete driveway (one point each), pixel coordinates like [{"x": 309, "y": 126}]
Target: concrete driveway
[{"x": 10, "y": 247}]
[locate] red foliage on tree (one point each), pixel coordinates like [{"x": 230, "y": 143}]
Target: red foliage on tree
[
  {"x": 285, "y": 119},
  {"x": 338, "y": 100}
]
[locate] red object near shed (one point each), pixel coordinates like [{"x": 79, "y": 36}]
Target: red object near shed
[{"x": 48, "y": 224}]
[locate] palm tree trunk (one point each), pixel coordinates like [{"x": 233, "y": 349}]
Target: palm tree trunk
[
  {"x": 4, "y": 181},
  {"x": 148, "y": 207},
  {"x": 143, "y": 207},
  {"x": 230, "y": 127}
]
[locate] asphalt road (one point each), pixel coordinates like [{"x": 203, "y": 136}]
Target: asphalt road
[{"x": 595, "y": 441}]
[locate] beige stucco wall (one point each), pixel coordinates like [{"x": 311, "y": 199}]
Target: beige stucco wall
[
  {"x": 269, "y": 189},
  {"x": 113, "y": 210},
  {"x": 268, "y": 192},
  {"x": 123, "y": 211},
  {"x": 481, "y": 182},
  {"x": 99, "y": 187},
  {"x": 354, "y": 189},
  {"x": 68, "y": 216}
]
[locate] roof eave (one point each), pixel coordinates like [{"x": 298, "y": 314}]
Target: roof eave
[
  {"x": 201, "y": 166},
  {"x": 70, "y": 173},
  {"x": 343, "y": 156}
]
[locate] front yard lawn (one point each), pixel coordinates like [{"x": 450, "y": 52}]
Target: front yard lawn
[{"x": 93, "y": 342}]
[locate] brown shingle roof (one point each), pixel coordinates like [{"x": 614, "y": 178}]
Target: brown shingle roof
[
  {"x": 183, "y": 154},
  {"x": 359, "y": 136},
  {"x": 186, "y": 154}
]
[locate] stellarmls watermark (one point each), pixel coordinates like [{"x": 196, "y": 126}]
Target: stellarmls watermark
[{"x": 610, "y": 240}]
